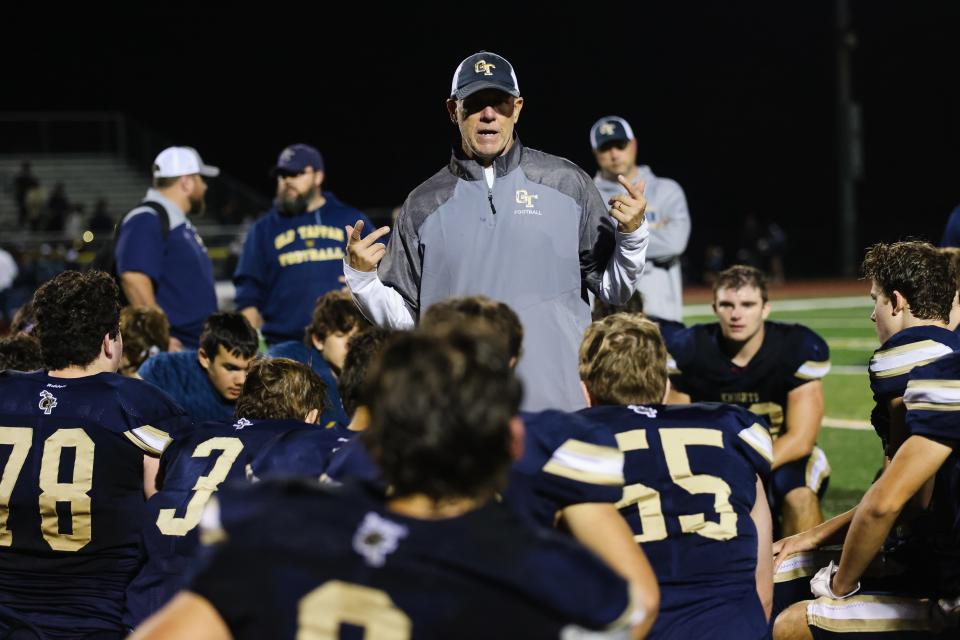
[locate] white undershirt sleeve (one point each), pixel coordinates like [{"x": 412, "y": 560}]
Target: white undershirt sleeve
[
  {"x": 623, "y": 271},
  {"x": 380, "y": 304}
]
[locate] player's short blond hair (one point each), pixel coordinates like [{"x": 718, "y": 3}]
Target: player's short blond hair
[{"x": 623, "y": 361}]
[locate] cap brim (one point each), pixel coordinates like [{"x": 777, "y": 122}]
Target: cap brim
[
  {"x": 480, "y": 85},
  {"x": 601, "y": 143},
  {"x": 209, "y": 171}
]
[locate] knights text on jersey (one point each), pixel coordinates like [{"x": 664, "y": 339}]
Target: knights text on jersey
[
  {"x": 298, "y": 557},
  {"x": 690, "y": 474},
  {"x": 791, "y": 355},
  {"x": 71, "y": 455}
]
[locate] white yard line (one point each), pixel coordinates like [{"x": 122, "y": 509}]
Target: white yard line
[
  {"x": 840, "y": 423},
  {"x": 853, "y": 344},
  {"x": 848, "y": 370}
]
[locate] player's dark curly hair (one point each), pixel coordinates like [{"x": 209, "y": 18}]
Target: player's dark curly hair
[
  {"x": 20, "y": 352},
  {"x": 741, "y": 275},
  {"x": 230, "y": 330},
  {"x": 504, "y": 321},
  {"x": 334, "y": 311},
  {"x": 603, "y": 309},
  {"x": 280, "y": 389},
  {"x": 74, "y": 311},
  {"x": 923, "y": 274},
  {"x": 440, "y": 413},
  {"x": 361, "y": 349}
]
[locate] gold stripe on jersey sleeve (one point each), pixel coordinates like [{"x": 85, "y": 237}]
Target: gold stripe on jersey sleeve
[
  {"x": 866, "y": 614},
  {"x": 899, "y": 371},
  {"x": 930, "y": 406},
  {"x": 586, "y": 462},
  {"x": 759, "y": 440},
  {"x": 906, "y": 348},
  {"x": 813, "y": 370}
]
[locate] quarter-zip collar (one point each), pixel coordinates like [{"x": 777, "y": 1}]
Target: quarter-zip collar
[{"x": 467, "y": 168}]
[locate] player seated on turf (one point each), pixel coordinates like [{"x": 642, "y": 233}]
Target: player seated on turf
[
  {"x": 207, "y": 382},
  {"x": 921, "y": 601},
  {"x": 146, "y": 332},
  {"x": 73, "y": 470},
  {"x": 570, "y": 469},
  {"x": 438, "y": 558},
  {"x": 20, "y": 352},
  {"x": 307, "y": 453},
  {"x": 280, "y": 396},
  {"x": 336, "y": 319},
  {"x": 771, "y": 368},
  {"x": 694, "y": 493},
  {"x": 913, "y": 286}
]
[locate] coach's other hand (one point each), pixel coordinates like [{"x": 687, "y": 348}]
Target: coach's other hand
[
  {"x": 628, "y": 208},
  {"x": 365, "y": 254}
]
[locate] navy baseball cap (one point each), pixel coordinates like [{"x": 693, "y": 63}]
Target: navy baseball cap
[
  {"x": 296, "y": 158},
  {"x": 610, "y": 129},
  {"x": 484, "y": 70}
]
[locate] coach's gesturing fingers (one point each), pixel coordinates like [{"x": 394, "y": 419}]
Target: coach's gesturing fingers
[
  {"x": 363, "y": 254},
  {"x": 628, "y": 208}
]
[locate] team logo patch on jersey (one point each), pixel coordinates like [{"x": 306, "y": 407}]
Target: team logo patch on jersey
[
  {"x": 649, "y": 412},
  {"x": 376, "y": 538},
  {"x": 241, "y": 423},
  {"x": 526, "y": 198},
  {"x": 47, "y": 402},
  {"x": 484, "y": 67}
]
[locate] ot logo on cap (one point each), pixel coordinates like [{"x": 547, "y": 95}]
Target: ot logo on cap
[
  {"x": 484, "y": 67},
  {"x": 608, "y": 128}
]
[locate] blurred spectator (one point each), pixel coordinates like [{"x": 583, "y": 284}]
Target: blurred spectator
[
  {"x": 294, "y": 253},
  {"x": 8, "y": 273},
  {"x": 22, "y": 183},
  {"x": 101, "y": 220},
  {"x": 57, "y": 206},
  {"x": 20, "y": 352},
  {"x": 160, "y": 258},
  {"x": 762, "y": 246},
  {"x": 35, "y": 202},
  {"x": 713, "y": 263},
  {"x": 146, "y": 333},
  {"x": 75, "y": 223}
]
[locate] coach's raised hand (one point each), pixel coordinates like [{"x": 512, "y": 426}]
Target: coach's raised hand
[
  {"x": 628, "y": 208},
  {"x": 365, "y": 254}
]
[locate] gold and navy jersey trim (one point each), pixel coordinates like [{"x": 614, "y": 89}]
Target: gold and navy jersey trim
[
  {"x": 152, "y": 440},
  {"x": 866, "y": 614},
  {"x": 818, "y": 469},
  {"x": 586, "y": 462},
  {"x": 813, "y": 370},
  {"x": 897, "y": 361},
  {"x": 932, "y": 395},
  {"x": 803, "y": 564},
  {"x": 759, "y": 439}
]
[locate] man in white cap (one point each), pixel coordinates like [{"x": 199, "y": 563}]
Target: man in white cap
[
  {"x": 509, "y": 222},
  {"x": 160, "y": 258},
  {"x": 615, "y": 149}
]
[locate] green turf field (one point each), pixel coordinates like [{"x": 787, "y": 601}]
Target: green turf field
[{"x": 853, "y": 450}]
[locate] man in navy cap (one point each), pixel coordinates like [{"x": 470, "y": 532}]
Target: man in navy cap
[
  {"x": 294, "y": 253},
  {"x": 509, "y": 222}
]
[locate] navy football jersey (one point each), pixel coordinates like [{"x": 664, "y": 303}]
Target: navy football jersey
[
  {"x": 352, "y": 461},
  {"x": 933, "y": 401},
  {"x": 566, "y": 460},
  {"x": 300, "y": 560},
  {"x": 71, "y": 494},
  {"x": 892, "y": 363},
  {"x": 790, "y": 356},
  {"x": 191, "y": 470},
  {"x": 690, "y": 473},
  {"x": 302, "y": 453}
]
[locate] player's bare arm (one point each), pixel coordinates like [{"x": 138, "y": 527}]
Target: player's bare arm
[
  {"x": 601, "y": 528},
  {"x": 252, "y": 314},
  {"x": 628, "y": 208},
  {"x": 364, "y": 254},
  {"x": 804, "y": 414},
  {"x": 187, "y": 616},
  {"x": 763, "y": 521}
]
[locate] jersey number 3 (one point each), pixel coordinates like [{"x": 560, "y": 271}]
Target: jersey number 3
[{"x": 647, "y": 499}]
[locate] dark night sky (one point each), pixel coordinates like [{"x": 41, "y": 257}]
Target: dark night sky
[{"x": 735, "y": 100}]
